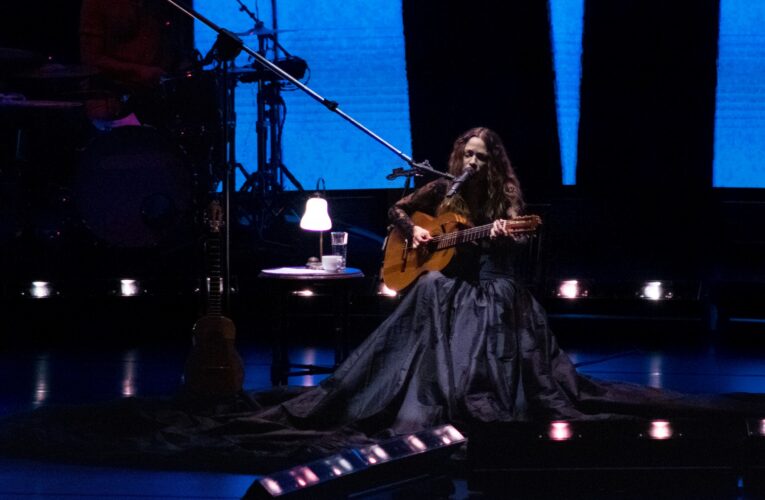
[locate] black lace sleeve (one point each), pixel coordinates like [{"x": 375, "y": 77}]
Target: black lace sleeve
[{"x": 425, "y": 199}]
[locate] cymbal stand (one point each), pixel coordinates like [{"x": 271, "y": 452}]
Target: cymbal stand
[{"x": 271, "y": 171}]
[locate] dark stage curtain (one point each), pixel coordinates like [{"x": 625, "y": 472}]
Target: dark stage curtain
[
  {"x": 646, "y": 129},
  {"x": 484, "y": 64}
]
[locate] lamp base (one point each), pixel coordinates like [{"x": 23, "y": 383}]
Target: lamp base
[{"x": 313, "y": 263}]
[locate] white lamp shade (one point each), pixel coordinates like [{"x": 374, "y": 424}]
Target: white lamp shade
[{"x": 316, "y": 216}]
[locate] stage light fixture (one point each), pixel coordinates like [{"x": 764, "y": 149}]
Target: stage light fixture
[
  {"x": 129, "y": 288},
  {"x": 361, "y": 468},
  {"x": 655, "y": 290},
  {"x": 415, "y": 444},
  {"x": 448, "y": 434},
  {"x": 560, "y": 431},
  {"x": 374, "y": 454},
  {"x": 40, "y": 290},
  {"x": 660, "y": 429},
  {"x": 571, "y": 289}
]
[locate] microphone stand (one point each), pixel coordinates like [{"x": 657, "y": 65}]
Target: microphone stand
[{"x": 333, "y": 106}]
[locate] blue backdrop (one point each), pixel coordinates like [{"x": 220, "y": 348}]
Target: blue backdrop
[
  {"x": 355, "y": 52},
  {"x": 739, "y": 157}
]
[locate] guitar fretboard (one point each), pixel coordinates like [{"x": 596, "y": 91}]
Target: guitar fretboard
[
  {"x": 448, "y": 240},
  {"x": 214, "y": 279}
]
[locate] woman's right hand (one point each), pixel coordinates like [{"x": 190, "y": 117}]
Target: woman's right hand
[{"x": 420, "y": 235}]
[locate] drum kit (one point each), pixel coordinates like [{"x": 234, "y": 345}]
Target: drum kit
[
  {"x": 141, "y": 183},
  {"x": 63, "y": 173}
]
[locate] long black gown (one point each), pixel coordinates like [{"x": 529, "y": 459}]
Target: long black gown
[{"x": 470, "y": 345}]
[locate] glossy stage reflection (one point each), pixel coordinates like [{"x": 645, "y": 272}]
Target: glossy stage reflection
[{"x": 31, "y": 378}]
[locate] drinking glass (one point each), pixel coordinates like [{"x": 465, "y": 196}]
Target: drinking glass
[{"x": 340, "y": 246}]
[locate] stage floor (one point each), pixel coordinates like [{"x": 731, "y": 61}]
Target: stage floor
[{"x": 39, "y": 374}]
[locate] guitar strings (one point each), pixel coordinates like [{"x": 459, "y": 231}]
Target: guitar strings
[{"x": 447, "y": 240}]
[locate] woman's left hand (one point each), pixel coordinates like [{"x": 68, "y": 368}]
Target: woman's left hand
[{"x": 500, "y": 228}]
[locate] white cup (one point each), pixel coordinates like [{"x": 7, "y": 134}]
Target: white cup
[{"x": 331, "y": 263}]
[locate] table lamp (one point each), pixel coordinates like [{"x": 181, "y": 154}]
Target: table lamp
[{"x": 316, "y": 218}]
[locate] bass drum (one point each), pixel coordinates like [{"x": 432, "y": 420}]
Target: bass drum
[{"x": 134, "y": 188}]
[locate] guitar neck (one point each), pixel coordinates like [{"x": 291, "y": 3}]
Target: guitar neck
[
  {"x": 454, "y": 238},
  {"x": 214, "y": 278}
]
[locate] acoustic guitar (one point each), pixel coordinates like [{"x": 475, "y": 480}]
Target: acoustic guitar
[
  {"x": 214, "y": 368},
  {"x": 402, "y": 264}
]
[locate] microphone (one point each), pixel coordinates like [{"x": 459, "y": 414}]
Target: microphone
[{"x": 465, "y": 175}]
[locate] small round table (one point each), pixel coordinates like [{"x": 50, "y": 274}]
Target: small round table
[{"x": 288, "y": 281}]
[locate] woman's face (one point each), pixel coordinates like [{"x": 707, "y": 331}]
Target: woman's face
[{"x": 475, "y": 154}]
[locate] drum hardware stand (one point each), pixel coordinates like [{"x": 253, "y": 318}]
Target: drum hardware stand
[
  {"x": 227, "y": 39},
  {"x": 268, "y": 180}
]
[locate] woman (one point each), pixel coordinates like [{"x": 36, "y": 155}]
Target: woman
[
  {"x": 466, "y": 344},
  {"x": 470, "y": 344}
]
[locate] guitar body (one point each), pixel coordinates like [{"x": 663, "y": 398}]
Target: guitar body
[
  {"x": 402, "y": 265},
  {"x": 214, "y": 369}
]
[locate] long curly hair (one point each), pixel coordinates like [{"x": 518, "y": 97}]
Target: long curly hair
[{"x": 495, "y": 192}]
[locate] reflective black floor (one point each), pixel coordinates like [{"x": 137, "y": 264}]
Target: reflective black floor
[{"x": 55, "y": 371}]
